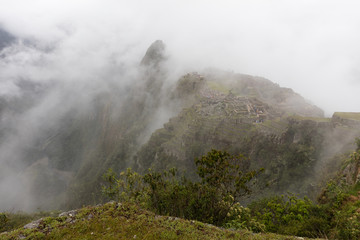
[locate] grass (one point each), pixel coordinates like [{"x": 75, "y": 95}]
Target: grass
[
  {"x": 348, "y": 115},
  {"x": 315, "y": 119},
  {"x": 18, "y": 219},
  {"x": 355, "y": 190},
  {"x": 127, "y": 221},
  {"x": 218, "y": 87}
]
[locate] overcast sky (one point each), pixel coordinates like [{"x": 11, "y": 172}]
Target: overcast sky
[{"x": 311, "y": 46}]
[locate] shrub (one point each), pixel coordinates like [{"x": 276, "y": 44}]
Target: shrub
[
  {"x": 240, "y": 218},
  {"x": 3, "y": 221},
  {"x": 291, "y": 215},
  {"x": 128, "y": 186},
  {"x": 211, "y": 200}
]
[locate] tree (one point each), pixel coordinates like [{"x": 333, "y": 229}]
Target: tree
[
  {"x": 223, "y": 181},
  {"x": 224, "y": 177},
  {"x": 225, "y": 172}
]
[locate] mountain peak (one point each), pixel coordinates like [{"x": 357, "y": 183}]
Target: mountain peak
[{"x": 154, "y": 54}]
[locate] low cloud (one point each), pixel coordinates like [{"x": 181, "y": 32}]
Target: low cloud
[{"x": 70, "y": 51}]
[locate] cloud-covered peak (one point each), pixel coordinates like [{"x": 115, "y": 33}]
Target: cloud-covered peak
[{"x": 154, "y": 54}]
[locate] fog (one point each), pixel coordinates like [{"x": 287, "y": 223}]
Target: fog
[
  {"x": 87, "y": 47},
  {"x": 310, "y": 46}
]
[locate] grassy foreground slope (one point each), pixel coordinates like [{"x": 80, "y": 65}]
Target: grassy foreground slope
[{"x": 125, "y": 221}]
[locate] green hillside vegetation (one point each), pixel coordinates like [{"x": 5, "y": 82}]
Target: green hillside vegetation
[
  {"x": 335, "y": 216},
  {"x": 213, "y": 201},
  {"x": 315, "y": 119},
  {"x": 269, "y": 144},
  {"x": 348, "y": 115},
  {"x": 218, "y": 87},
  {"x": 10, "y": 221},
  {"x": 127, "y": 221}
]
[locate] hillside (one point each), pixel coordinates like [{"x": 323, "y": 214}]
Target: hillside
[
  {"x": 336, "y": 216},
  {"x": 274, "y": 127},
  {"x": 126, "y": 221}
]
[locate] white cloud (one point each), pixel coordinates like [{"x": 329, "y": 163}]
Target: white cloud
[{"x": 310, "y": 46}]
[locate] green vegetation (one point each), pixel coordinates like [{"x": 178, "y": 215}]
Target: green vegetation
[
  {"x": 348, "y": 115},
  {"x": 215, "y": 199},
  {"x": 127, "y": 221},
  {"x": 10, "y": 221},
  {"x": 336, "y": 216},
  {"x": 218, "y": 87},
  {"x": 341, "y": 199},
  {"x": 287, "y": 149},
  {"x": 315, "y": 119},
  {"x": 212, "y": 200},
  {"x": 291, "y": 215}
]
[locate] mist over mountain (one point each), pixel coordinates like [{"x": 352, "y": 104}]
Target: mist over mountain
[
  {"x": 52, "y": 131},
  {"x": 59, "y": 137},
  {"x": 86, "y": 86}
]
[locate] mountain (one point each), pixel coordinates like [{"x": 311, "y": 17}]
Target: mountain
[
  {"x": 157, "y": 125},
  {"x": 273, "y": 126},
  {"x": 62, "y": 159}
]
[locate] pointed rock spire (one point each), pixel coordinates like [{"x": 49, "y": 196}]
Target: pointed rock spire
[{"x": 154, "y": 54}]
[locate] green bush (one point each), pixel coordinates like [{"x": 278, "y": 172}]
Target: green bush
[
  {"x": 10, "y": 221},
  {"x": 240, "y": 218},
  {"x": 347, "y": 223},
  {"x": 3, "y": 221},
  {"x": 291, "y": 215},
  {"x": 128, "y": 186},
  {"x": 224, "y": 179},
  {"x": 211, "y": 200}
]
